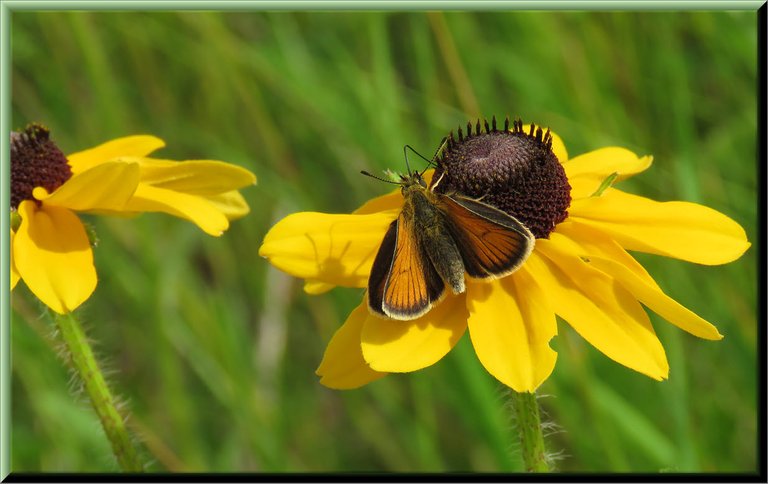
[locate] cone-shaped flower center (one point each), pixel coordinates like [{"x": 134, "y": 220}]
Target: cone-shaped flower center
[
  {"x": 514, "y": 171},
  {"x": 36, "y": 161}
]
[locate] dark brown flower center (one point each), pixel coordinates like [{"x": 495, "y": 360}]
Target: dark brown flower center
[
  {"x": 36, "y": 161},
  {"x": 514, "y": 171}
]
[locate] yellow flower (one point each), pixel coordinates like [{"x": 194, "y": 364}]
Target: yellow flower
[
  {"x": 50, "y": 248},
  {"x": 579, "y": 270}
]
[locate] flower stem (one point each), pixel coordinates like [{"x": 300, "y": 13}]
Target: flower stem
[
  {"x": 529, "y": 425},
  {"x": 84, "y": 363}
]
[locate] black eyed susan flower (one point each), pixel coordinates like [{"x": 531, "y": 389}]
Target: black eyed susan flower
[
  {"x": 50, "y": 248},
  {"x": 579, "y": 268}
]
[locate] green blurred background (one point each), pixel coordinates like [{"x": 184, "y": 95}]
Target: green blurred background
[{"x": 214, "y": 351}]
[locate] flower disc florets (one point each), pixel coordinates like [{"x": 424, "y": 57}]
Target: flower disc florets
[
  {"x": 512, "y": 170},
  {"x": 36, "y": 161}
]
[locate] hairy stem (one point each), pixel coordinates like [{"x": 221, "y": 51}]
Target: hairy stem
[
  {"x": 529, "y": 425},
  {"x": 84, "y": 363}
]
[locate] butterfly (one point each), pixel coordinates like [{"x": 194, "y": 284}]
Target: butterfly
[{"x": 434, "y": 241}]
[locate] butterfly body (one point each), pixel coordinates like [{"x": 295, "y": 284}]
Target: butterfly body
[{"x": 434, "y": 241}]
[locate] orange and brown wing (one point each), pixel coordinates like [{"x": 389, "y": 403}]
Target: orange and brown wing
[
  {"x": 403, "y": 283},
  {"x": 492, "y": 243}
]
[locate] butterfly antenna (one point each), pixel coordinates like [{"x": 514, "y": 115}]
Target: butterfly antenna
[{"x": 378, "y": 178}]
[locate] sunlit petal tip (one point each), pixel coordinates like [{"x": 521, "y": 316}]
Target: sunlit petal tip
[
  {"x": 343, "y": 366},
  {"x": 40, "y": 193},
  {"x": 405, "y": 346},
  {"x": 52, "y": 253}
]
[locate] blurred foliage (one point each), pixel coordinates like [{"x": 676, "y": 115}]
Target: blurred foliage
[{"x": 214, "y": 352}]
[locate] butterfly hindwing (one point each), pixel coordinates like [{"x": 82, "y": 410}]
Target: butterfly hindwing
[
  {"x": 410, "y": 285},
  {"x": 492, "y": 243}
]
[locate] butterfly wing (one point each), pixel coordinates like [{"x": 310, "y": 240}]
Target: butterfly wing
[
  {"x": 492, "y": 243},
  {"x": 403, "y": 283}
]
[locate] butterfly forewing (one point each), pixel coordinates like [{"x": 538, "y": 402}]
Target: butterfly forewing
[
  {"x": 492, "y": 243},
  {"x": 403, "y": 284}
]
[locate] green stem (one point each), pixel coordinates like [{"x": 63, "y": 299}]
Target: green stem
[
  {"x": 84, "y": 362},
  {"x": 529, "y": 425}
]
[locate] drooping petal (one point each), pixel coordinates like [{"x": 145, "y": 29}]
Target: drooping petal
[
  {"x": 14, "y": 273},
  {"x": 607, "y": 256},
  {"x": 403, "y": 346},
  {"x": 343, "y": 366},
  {"x": 331, "y": 248},
  {"x": 657, "y": 301},
  {"x": 682, "y": 230},
  {"x": 138, "y": 145},
  {"x": 586, "y": 172},
  {"x": 231, "y": 204},
  {"x": 511, "y": 324},
  {"x": 196, "y": 177},
  {"x": 191, "y": 207},
  {"x": 107, "y": 186},
  {"x": 53, "y": 255},
  {"x": 596, "y": 243},
  {"x": 598, "y": 308}
]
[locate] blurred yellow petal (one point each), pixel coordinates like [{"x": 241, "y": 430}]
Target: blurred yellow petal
[
  {"x": 599, "y": 309},
  {"x": 403, "y": 346},
  {"x": 683, "y": 230},
  {"x": 191, "y": 207},
  {"x": 511, "y": 324},
  {"x": 14, "y": 273},
  {"x": 317, "y": 287},
  {"x": 343, "y": 366},
  {"x": 231, "y": 204},
  {"x": 107, "y": 186},
  {"x": 586, "y": 172},
  {"x": 196, "y": 177},
  {"x": 331, "y": 248},
  {"x": 138, "y": 145},
  {"x": 53, "y": 255}
]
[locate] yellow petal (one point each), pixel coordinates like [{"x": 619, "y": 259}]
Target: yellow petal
[
  {"x": 390, "y": 201},
  {"x": 191, "y": 207},
  {"x": 331, "y": 248},
  {"x": 599, "y": 309},
  {"x": 657, "y": 301},
  {"x": 607, "y": 256},
  {"x": 14, "y": 273},
  {"x": 596, "y": 243},
  {"x": 107, "y": 186},
  {"x": 196, "y": 177},
  {"x": 231, "y": 204},
  {"x": 683, "y": 230},
  {"x": 317, "y": 287},
  {"x": 403, "y": 346},
  {"x": 586, "y": 172},
  {"x": 138, "y": 145},
  {"x": 511, "y": 324},
  {"x": 53, "y": 255},
  {"x": 343, "y": 366}
]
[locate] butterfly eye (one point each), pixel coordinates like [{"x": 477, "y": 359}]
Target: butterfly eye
[{"x": 421, "y": 181}]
